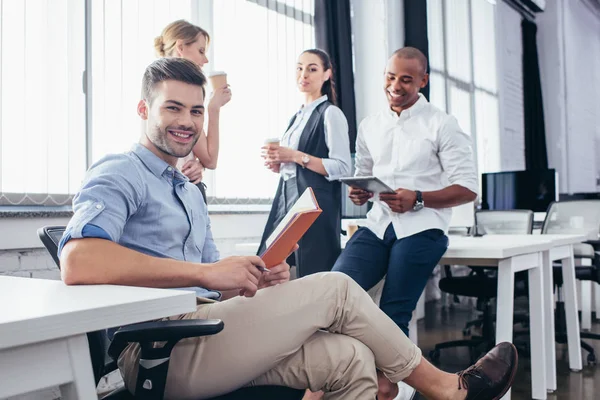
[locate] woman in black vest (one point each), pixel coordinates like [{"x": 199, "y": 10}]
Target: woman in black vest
[{"x": 313, "y": 152}]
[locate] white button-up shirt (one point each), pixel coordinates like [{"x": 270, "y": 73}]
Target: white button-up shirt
[
  {"x": 422, "y": 149},
  {"x": 338, "y": 162}
]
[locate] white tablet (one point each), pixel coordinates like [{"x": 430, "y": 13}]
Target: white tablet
[{"x": 369, "y": 183}]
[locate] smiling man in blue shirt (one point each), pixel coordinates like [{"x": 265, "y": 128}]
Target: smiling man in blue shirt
[{"x": 138, "y": 221}]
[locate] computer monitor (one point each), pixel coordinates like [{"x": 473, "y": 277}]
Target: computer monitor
[{"x": 519, "y": 190}]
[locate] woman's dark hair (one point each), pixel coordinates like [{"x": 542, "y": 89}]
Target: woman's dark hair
[{"x": 328, "y": 87}]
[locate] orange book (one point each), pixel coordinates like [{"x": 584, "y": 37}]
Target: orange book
[{"x": 291, "y": 228}]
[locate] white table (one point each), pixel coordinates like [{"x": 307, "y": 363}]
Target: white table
[
  {"x": 43, "y": 325},
  {"x": 510, "y": 255},
  {"x": 561, "y": 250}
]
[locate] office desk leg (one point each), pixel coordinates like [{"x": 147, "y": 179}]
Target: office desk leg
[
  {"x": 505, "y": 305},
  {"x": 597, "y": 300},
  {"x": 586, "y": 300},
  {"x": 568, "y": 272},
  {"x": 536, "y": 325},
  {"x": 83, "y": 385},
  {"x": 548, "y": 291}
]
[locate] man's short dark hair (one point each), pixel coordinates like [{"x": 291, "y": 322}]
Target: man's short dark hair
[
  {"x": 171, "y": 68},
  {"x": 412, "y": 53}
]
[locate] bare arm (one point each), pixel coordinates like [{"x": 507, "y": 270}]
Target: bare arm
[
  {"x": 207, "y": 147},
  {"x": 451, "y": 196},
  {"x": 403, "y": 200},
  {"x": 98, "y": 261}
]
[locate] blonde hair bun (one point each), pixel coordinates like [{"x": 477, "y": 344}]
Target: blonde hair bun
[
  {"x": 159, "y": 46},
  {"x": 177, "y": 30}
]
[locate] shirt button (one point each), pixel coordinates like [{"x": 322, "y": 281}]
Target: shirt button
[
  {"x": 98, "y": 206},
  {"x": 169, "y": 169}
]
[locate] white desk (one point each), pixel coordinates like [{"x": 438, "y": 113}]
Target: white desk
[
  {"x": 561, "y": 250},
  {"x": 511, "y": 254},
  {"x": 43, "y": 325}
]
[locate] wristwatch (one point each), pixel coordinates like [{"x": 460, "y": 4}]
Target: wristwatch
[
  {"x": 419, "y": 203},
  {"x": 305, "y": 160}
]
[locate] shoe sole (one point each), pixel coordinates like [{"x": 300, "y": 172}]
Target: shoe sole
[{"x": 512, "y": 375}]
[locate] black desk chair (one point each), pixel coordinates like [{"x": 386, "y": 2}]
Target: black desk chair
[
  {"x": 575, "y": 217},
  {"x": 151, "y": 381},
  {"x": 481, "y": 283}
]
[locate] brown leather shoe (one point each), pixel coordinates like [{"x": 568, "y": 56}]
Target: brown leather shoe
[{"x": 492, "y": 375}]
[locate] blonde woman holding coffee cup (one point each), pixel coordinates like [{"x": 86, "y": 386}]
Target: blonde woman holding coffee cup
[
  {"x": 185, "y": 40},
  {"x": 313, "y": 152}
]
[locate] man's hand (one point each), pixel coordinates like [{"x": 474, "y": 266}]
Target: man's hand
[
  {"x": 401, "y": 201},
  {"x": 234, "y": 273},
  {"x": 193, "y": 169},
  {"x": 277, "y": 274},
  {"x": 359, "y": 196}
]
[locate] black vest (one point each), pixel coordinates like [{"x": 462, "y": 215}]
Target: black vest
[{"x": 320, "y": 245}]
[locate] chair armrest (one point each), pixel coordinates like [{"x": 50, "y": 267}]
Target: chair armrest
[{"x": 162, "y": 331}]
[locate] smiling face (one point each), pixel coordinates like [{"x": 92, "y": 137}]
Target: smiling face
[
  {"x": 195, "y": 51},
  {"x": 404, "y": 77},
  {"x": 310, "y": 74},
  {"x": 174, "y": 118}
]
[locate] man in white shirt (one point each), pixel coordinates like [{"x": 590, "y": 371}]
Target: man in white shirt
[{"x": 421, "y": 151}]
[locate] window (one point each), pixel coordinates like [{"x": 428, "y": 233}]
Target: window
[
  {"x": 123, "y": 35},
  {"x": 42, "y": 104},
  {"x": 463, "y": 77},
  {"x": 50, "y": 128},
  {"x": 257, "y": 43}
]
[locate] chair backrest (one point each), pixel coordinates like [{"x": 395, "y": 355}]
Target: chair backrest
[
  {"x": 576, "y": 216},
  {"x": 97, "y": 341},
  {"x": 505, "y": 222},
  {"x": 50, "y": 237}
]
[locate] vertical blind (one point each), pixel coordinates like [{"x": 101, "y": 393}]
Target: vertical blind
[
  {"x": 42, "y": 105},
  {"x": 43, "y": 138},
  {"x": 462, "y": 50}
]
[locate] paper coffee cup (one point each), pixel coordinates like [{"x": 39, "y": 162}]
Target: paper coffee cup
[
  {"x": 272, "y": 141},
  {"x": 351, "y": 229},
  {"x": 218, "y": 79}
]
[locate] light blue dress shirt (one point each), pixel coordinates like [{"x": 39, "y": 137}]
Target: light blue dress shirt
[{"x": 139, "y": 201}]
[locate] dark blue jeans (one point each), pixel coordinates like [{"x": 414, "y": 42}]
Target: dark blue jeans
[{"x": 408, "y": 263}]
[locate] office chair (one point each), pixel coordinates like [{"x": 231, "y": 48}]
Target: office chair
[
  {"x": 481, "y": 283},
  {"x": 575, "y": 217},
  {"x": 151, "y": 380}
]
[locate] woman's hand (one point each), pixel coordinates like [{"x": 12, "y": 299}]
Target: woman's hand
[
  {"x": 279, "y": 154},
  {"x": 193, "y": 169},
  {"x": 219, "y": 98},
  {"x": 274, "y": 167}
]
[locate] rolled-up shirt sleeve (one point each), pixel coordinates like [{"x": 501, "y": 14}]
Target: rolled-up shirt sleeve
[
  {"x": 456, "y": 155},
  {"x": 338, "y": 164},
  {"x": 363, "y": 160},
  {"x": 112, "y": 191}
]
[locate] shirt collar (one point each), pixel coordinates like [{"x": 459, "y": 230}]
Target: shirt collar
[
  {"x": 312, "y": 105},
  {"x": 155, "y": 164},
  {"x": 411, "y": 111}
]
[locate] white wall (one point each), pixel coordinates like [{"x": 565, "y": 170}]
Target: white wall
[{"x": 569, "y": 51}]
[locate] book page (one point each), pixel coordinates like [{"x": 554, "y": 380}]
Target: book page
[{"x": 306, "y": 202}]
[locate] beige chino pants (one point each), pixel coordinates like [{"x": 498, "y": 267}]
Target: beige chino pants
[{"x": 321, "y": 332}]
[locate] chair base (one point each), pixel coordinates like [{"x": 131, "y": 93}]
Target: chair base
[{"x": 477, "y": 346}]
